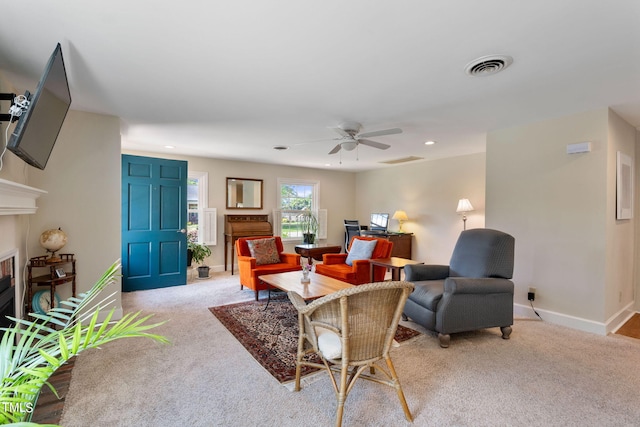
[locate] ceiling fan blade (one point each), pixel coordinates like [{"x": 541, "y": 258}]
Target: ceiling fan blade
[
  {"x": 373, "y": 144},
  {"x": 336, "y": 149},
  {"x": 380, "y": 133},
  {"x": 342, "y": 132}
]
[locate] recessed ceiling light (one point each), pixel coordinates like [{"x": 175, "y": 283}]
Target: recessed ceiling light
[
  {"x": 429, "y": 142},
  {"x": 170, "y": 146},
  {"x": 280, "y": 147}
]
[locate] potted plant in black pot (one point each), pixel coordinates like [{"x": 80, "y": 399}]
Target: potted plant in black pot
[
  {"x": 309, "y": 226},
  {"x": 192, "y": 237},
  {"x": 199, "y": 253}
]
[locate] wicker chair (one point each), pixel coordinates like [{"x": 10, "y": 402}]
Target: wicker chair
[{"x": 351, "y": 330}]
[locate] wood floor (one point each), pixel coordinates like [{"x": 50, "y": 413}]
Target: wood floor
[
  {"x": 631, "y": 328},
  {"x": 48, "y": 409}
]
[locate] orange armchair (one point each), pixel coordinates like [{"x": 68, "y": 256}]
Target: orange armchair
[
  {"x": 251, "y": 268},
  {"x": 335, "y": 266}
]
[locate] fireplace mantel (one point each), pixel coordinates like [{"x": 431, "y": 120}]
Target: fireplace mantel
[{"x": 18, "y": 199}]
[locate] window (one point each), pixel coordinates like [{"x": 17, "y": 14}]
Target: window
[
  {"x": 294, "y": 197},
  {"x": 197, "y": 201}
]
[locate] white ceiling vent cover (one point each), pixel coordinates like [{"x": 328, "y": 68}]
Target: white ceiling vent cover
[{"x": 487, "y": 65}]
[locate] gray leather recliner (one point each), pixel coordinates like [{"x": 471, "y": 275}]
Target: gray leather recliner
[{"x": 472, "y": 292}]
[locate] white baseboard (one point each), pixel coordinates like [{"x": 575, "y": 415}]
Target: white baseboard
[
  {"x": 586, "y": 325},
  {"x": 117, "y": 314}
]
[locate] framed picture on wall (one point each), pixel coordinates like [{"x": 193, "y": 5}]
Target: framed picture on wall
[{"x": 624, "y": 186}]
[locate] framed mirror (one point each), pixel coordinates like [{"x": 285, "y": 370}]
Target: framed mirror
[{"x": 244, "y": 193}]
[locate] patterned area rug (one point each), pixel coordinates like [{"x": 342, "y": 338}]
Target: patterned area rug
[{"x": 271, "y": 335}]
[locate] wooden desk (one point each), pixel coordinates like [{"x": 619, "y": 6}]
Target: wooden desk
[
  {"x": 401, "y": 242},
  {"x": 315, "y": 251},
  {"x": 237, "y": 226},
  {"x": 395, "y": 264}
]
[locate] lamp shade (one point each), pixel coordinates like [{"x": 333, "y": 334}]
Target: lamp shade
[
  {"x": 400, "y": 216},
  {"x": 464, "y": 205}
]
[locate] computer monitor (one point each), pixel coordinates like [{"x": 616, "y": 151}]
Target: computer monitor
[{"x": 379, "y": 222}]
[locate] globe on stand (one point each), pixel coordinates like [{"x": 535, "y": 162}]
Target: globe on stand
[{"x": 53, "y": 240}]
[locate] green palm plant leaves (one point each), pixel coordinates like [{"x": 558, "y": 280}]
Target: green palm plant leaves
[{"x": 32, "y": 350}]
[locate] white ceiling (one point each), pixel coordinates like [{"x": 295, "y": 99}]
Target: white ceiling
[{"x": 232, "y": 79}]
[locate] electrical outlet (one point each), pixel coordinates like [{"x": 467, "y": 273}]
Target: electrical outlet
[{"x": 531, "y": 295}]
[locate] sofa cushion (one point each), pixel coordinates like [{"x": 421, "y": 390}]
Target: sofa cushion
[
  {"x": 274, "y": 268},
  {"x": 428, "y": 293},
  {"x": 360, "y": 249},
  {"x": 264, "y": 251},
  {"x": 337, "y": 271}
]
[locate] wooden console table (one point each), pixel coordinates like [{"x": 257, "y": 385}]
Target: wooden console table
[{"x": 316, "y": 250}]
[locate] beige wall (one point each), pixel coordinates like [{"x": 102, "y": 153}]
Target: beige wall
[
  {"x": 620, "y": 259},
  {"x": 561, "y": 210},
  {"x": 636, "y": 264},
  {"x": 13, "y": 169},
  {"x": 82, "y": 179},
  {"x": 428, "y": 192},
  {"x": 337, "y": 192}
]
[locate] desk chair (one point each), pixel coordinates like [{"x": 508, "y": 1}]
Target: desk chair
[{"x": 351, "y": 228}]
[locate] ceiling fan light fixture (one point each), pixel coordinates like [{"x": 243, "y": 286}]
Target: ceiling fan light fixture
[{"x": 349, "y": 145}]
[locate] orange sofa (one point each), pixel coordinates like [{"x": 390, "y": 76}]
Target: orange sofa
[
  {"x": 249, "y": 269},
  {"x": 334, "y": 265}
]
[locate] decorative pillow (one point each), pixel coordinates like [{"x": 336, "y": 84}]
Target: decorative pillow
[
  {"x": 329, "y": 343},
  {"x": 264, "y": 251},
  {"x": 360, "y": 249}
]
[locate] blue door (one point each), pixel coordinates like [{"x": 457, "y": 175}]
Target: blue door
[{"x": 154, "y": 219}]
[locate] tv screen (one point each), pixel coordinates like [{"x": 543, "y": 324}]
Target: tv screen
[{"x": 38, "y": 127}]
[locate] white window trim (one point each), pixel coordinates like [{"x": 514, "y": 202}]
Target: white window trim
[
  {"x": 277, "y": 221},
  {"x": 203, "y": 201}
]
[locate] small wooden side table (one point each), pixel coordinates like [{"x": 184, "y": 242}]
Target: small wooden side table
[
  {"x": 395, "y": 264},
  {"x": 315, "y": 251},
  {"x": 56, "y": 276}
]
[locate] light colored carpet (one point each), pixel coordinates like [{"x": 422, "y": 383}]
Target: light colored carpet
[{"x": 544, "y": 375}]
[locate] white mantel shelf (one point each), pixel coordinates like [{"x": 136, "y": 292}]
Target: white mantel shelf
[{"x": 18, "y": 199}]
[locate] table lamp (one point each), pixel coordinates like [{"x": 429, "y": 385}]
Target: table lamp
[
  {"x": 464, "y": 206},
  {"x": 401, "y": 216}
]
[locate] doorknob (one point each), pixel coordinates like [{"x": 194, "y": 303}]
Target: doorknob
[{"x": 183, "y": 231}]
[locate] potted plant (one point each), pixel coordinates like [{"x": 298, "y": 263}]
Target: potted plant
[
  {"x": 200, "y": 252},
  {"x": 192, "y": 237},
  {"x": 31, "y": 350},
  {"x": 309, "y": 226}
]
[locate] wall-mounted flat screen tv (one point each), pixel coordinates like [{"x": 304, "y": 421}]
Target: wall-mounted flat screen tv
[{"x": 38, "y": 127}]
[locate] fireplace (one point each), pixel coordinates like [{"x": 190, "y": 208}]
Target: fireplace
[
  {"x": 10, "y": 287},
  {"x": 7, "y": 302}
]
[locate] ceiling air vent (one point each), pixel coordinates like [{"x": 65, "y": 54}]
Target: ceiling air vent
[
  {"x": 403, "y": 160},
  {"x": 488, "y": 65}
]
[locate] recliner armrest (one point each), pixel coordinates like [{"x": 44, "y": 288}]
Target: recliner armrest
[
  {"x": 486, "y": 285},
  {"x": 419, "y": 272}
]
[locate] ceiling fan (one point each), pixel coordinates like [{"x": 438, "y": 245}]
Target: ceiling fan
[{"x": 350, "y": 137}]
